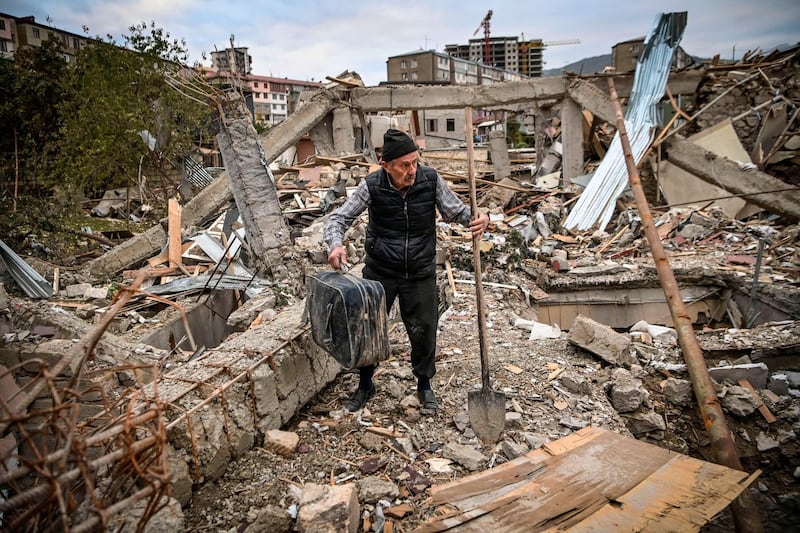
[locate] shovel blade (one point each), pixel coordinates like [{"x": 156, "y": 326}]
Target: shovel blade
[{"x": 487, "y": 414}]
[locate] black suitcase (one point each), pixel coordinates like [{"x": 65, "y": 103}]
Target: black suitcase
[{"x": 348, "y": 318}]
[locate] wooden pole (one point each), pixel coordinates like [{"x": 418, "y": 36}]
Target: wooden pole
[{"x": 745, "y": 514}]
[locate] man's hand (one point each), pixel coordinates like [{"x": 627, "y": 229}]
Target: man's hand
[
  {"x": 478, "y": 225},
  {"x": 337, "y": 258}
]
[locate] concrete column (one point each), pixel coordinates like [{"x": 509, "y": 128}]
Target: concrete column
[
  {"x": 344, "y": 138},
  {"x": 571, "y": 139}
]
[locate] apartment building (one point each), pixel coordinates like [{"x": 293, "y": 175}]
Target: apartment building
[
  {"x": 18, "y": 33},
  {"x": 432, "y": 67},
  {"x": 444, "y": 127},
  {"x": 232, "y": 60},
  {"x": 8, "y": 36},
  {"x": 505, "y": 53},
  {"x": 269, "y": 99},
  {"x": 625, "y": 55}
]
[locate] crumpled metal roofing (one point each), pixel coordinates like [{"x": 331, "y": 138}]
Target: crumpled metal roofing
[
  {"x": 31, "y": 282},
  {"x": 643, "y": 114}
]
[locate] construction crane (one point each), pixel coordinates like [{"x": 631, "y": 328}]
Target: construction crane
[
  {"x": 485, "y": 25},
  {"x": 566, "y": 41}
]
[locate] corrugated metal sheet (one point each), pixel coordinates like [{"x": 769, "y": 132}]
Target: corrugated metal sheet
[
  {"x": 31, "y": 282},
  {"x": 596, "y": 204}
]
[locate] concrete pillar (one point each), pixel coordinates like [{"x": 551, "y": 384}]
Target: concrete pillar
[
  {"x": 344, "y": 138},
  {"x": 571, "y": 139}
]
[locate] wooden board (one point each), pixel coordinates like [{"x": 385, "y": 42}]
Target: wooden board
[
  {"x": 174, "y": 230},
  {"x": 592, "y": 480}
]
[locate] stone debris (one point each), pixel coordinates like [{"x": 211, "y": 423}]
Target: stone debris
[
  {"x": 328, "y": 509},
  {"x": 467, "y": 456},
  {"x": 601, "y": 340},
  {"x": 265, "y": 405},
  {"x": 281, "y": 442}
]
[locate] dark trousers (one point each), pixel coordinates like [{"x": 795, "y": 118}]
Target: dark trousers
[{"x": 418, "y": 301}]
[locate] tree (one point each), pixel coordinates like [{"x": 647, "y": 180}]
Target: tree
[
  {"x": 30, "y": 92},
  {"x": 514, "y": 134},
  {"x": 119, "y": 98}
]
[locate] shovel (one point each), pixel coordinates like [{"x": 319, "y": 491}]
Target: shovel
[{"x": 486, "y": 408}]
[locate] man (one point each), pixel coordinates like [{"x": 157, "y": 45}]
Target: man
[{"x": 402, "y": 198}]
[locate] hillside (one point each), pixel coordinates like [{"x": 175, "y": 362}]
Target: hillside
[{"x": 586, "y": 65}]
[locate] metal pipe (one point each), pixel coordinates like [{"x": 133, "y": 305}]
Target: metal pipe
[{"x": 745, "y": 514}]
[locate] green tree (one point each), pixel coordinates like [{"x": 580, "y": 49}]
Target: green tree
[
  {"x": 30, "y": 93},
  {"x": 117, "y": 96},
  {"x": 514, "y": 134}
]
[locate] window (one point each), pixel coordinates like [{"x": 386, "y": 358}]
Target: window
[
  {"x": 2, "y": 24},
  {"x": 255, "y": 84},
  {"x": 432, "y": 125},
  {"x": 403, "y": 64},
  {"x": 35, "y": 33},
  {"x": 3, "y": 46},
  {"x": 414, "y": 75},
  {"x": 413, "y": 63},
  {"x": 404, "y": 76},
  {"x": 76, "y": 43},
  {"x": 281, "y": 97},
  {"x": 451, "y": 124}
]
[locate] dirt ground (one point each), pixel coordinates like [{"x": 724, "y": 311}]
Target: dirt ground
[{"x": 337, "y": 447}]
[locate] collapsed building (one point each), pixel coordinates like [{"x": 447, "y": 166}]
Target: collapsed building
[{"x": 118, "y": 407}]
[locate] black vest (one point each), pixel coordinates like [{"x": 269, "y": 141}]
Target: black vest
[{"x": 401, "y": 234}]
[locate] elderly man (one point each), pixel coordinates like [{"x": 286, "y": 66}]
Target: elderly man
[{"x": 402, "y": 198}]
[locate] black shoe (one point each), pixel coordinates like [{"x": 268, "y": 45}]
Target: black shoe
[
  {"x": 427, "y": 399},
  {"x": 359, "y": 398}
]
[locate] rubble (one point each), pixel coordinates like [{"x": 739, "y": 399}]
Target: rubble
[{"x": 252, "y": 410}]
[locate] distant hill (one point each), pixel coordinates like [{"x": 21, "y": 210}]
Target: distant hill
[{"x": 588, "y": 65}]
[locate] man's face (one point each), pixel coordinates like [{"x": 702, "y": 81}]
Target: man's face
[{"x": 402, "y": 170}]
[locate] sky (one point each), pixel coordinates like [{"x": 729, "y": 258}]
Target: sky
[{"x": 311, "y": 39}]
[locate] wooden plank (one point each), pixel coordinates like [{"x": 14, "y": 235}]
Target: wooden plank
[
  {"x": 763, "y": 409},
  {"x": 163, "y": 257},
  {"x": 683, "y": 495},
  {"x": 595, "y": 480},
  {"x": 174, "y": 231},
  {"x": 165, "y": 271}
]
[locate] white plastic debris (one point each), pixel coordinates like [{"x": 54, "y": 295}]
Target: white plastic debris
[{"x": 538, "y": 329}]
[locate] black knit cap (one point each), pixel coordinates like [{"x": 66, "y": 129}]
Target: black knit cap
[{"x": 396, "y": 144}]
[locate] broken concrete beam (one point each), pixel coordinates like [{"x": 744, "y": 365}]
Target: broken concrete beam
[
  {"x": 589, "y": 96},
  {"x": 328, "y": 509},
  {"x": 257, "y": 199},
  {"x": 375, "y": 99},
  {"x": 601, "y": 340},
  {"x": 756, "y": 187},
  {"x": 755, "y": 373},
  {"x": 210, "y": 200}
]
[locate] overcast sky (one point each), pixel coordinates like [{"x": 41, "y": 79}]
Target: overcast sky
[{"x": 311, "y": 39}]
